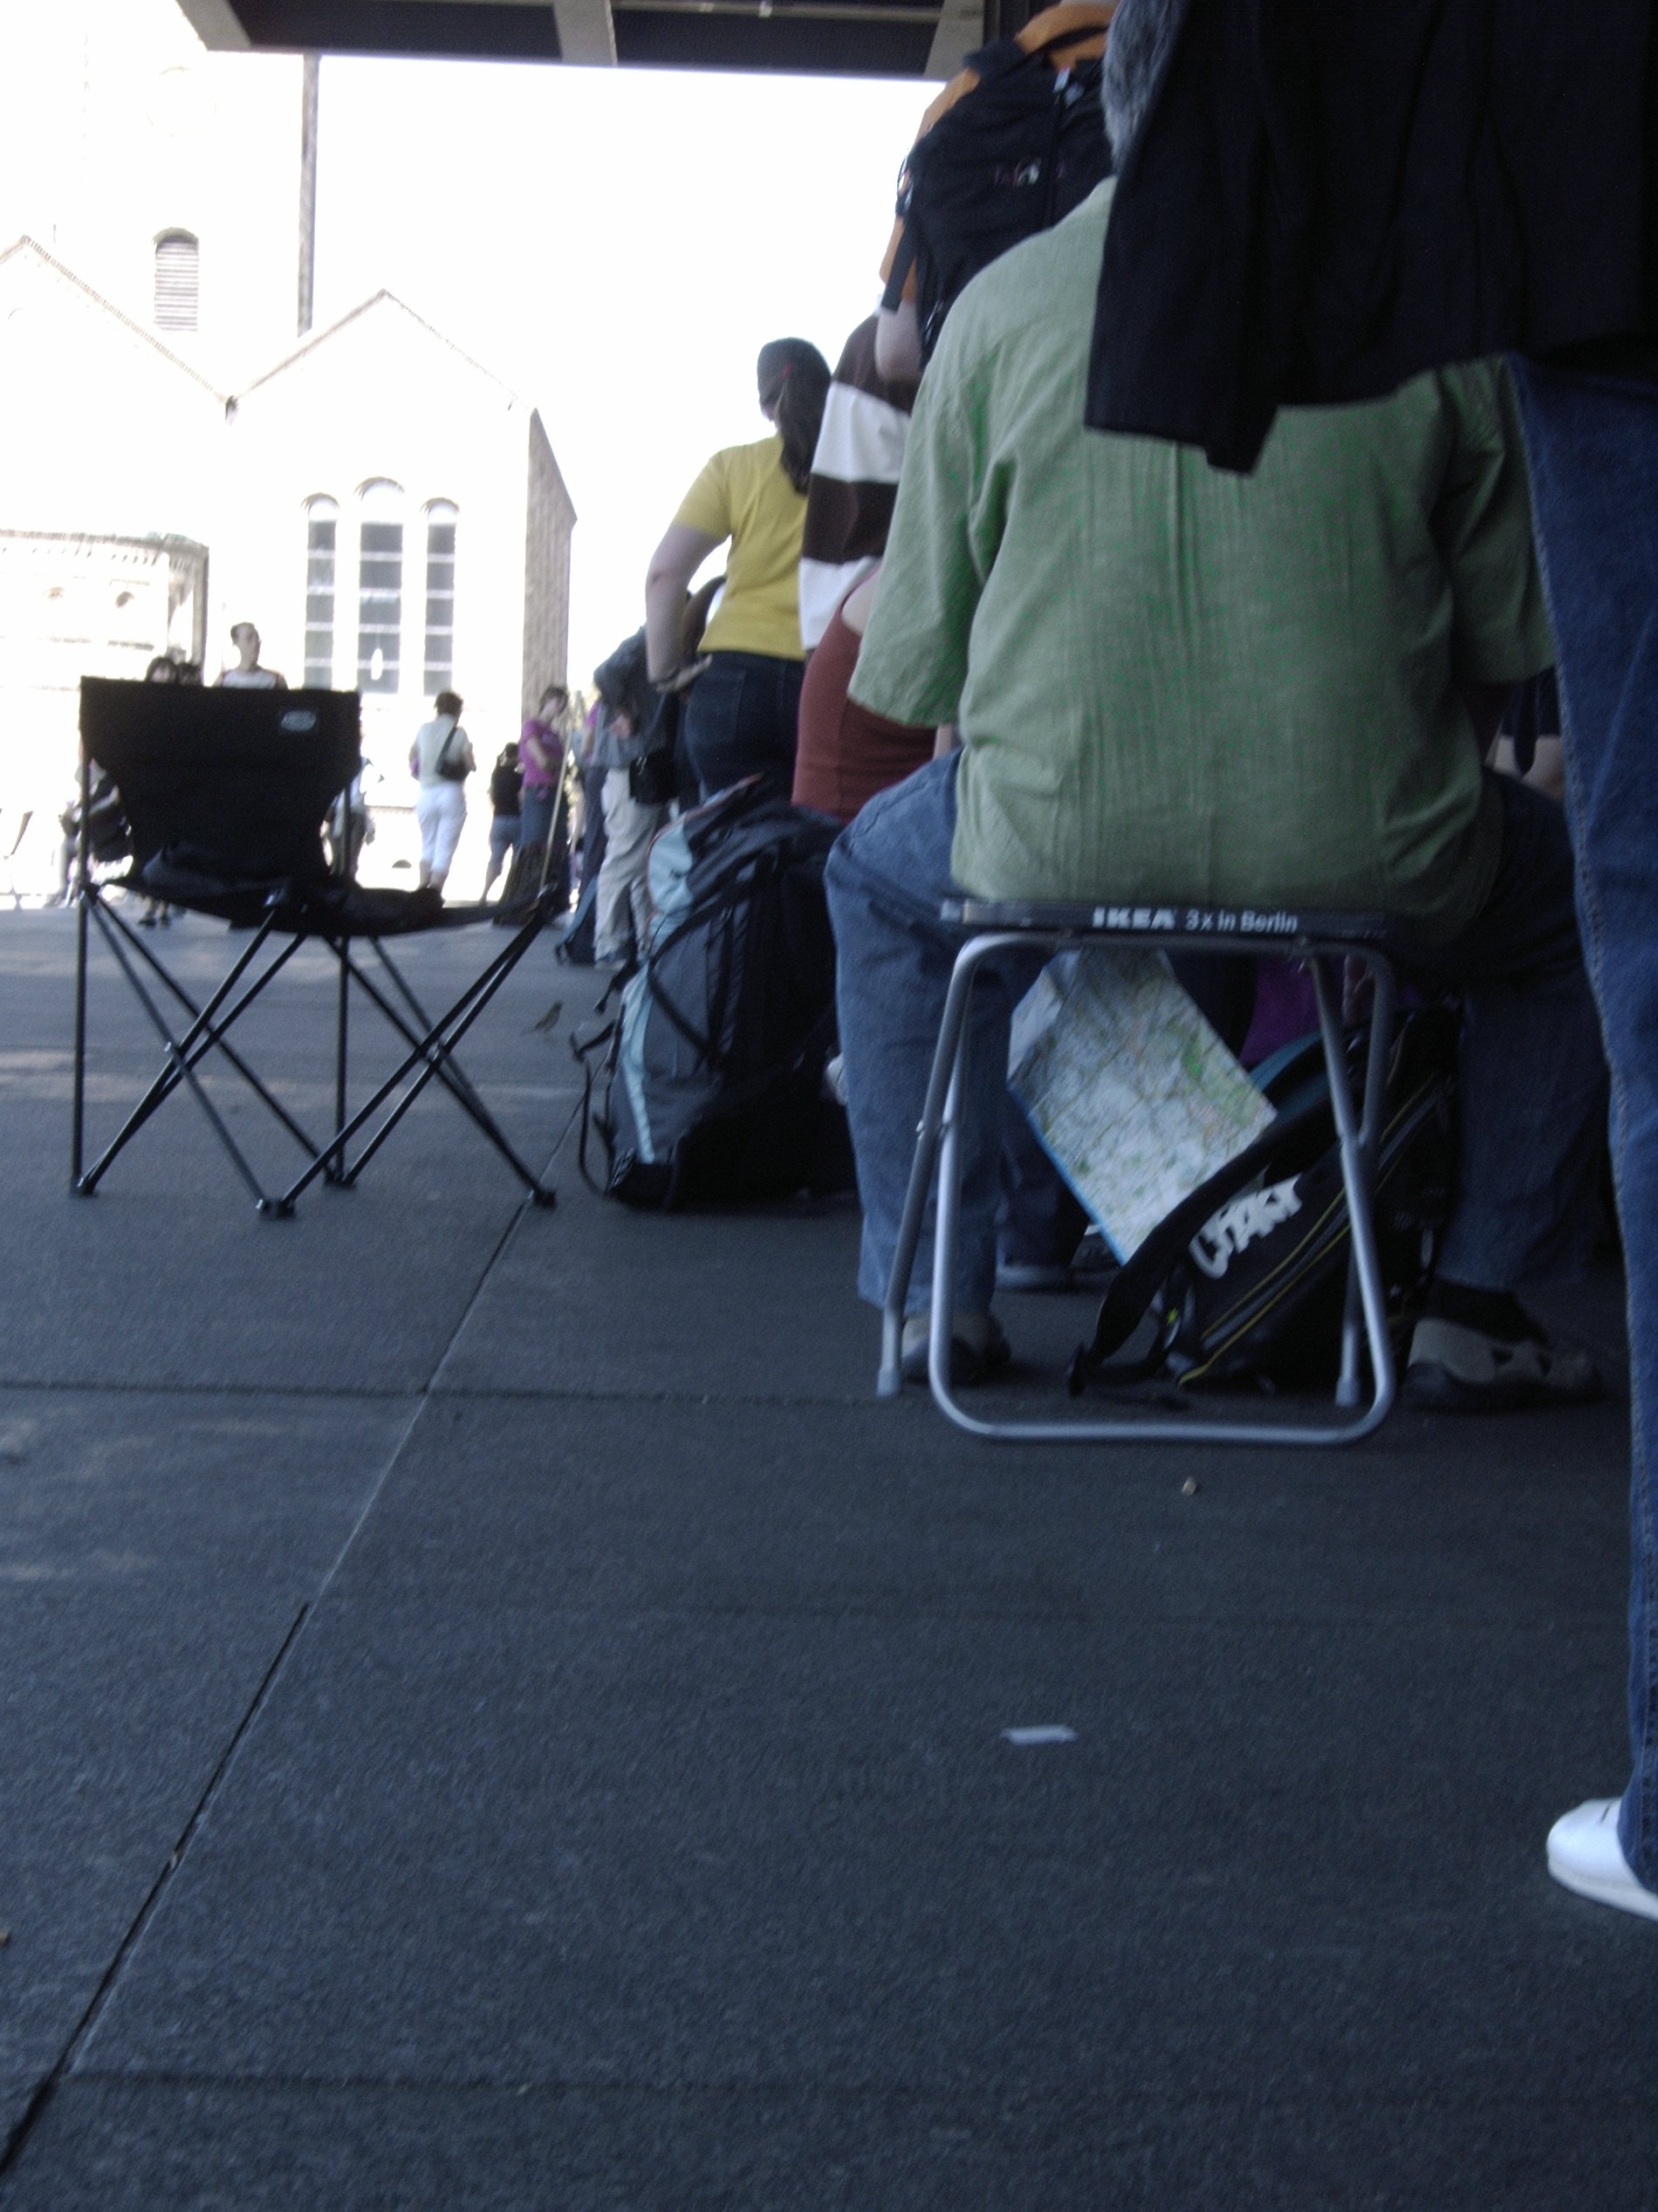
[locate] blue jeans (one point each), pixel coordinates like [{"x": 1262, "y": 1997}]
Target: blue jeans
[
  {"x": 1592, "y": 443},
  {"x": 740, "y": 720},
  {"x": 1532, "y": 1085}
]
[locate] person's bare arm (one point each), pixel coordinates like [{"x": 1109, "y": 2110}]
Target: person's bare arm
[
  {"x": 859, "y": 604},
  {"x": 667, "y": 580}
]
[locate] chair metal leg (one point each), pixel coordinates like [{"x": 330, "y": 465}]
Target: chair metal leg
[
  {"x": 951, "y": 1030},
  {"x": 1357, "y": 1146},
  {"x": 78, "y": 1123},
  {"x": 1384, "y": 989},
  {"x": 939, "y": 1141},
  {"x": 334, "y": 1172},
  {"x": 427, "y": 1026},
  {"x": 947, "y": 1218},
  {"x": 179, "y": 1057},
  {"x": 206, "y": 1033},
  {"x": 433, "y": 1052}
]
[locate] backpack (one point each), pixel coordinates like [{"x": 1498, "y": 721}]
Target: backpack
[
  {"x": 1020, "y": 150},
  {"x": 714, "y": 1071},
  {"x": 1245, "y": 1280}
]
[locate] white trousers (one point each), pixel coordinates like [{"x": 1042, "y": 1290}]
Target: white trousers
[
  {"x": 629, "y": 828},
  {"x": 440, "y": 810}
]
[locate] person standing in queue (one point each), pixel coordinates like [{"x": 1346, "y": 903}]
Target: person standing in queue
[
  {"x": 741, "y": 710},
  {"x": 440, "y": 760}
]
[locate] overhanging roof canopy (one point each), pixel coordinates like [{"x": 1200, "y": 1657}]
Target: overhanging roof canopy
[{"x": 811, "y": 37}]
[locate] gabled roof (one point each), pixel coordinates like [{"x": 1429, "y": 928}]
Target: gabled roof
[
  {"x": 30, "y": 251},
  {"x": 381, "y": 298}
]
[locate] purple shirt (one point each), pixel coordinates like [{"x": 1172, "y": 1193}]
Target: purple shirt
[{"x": 536, "y": 741}]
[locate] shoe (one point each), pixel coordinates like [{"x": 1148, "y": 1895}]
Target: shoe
[
  {"x": 1037, "y": 1276},
  {"x": 1586, "y": 1856},
  {"x": 1453, "y": 1368},
  {"x": 978, "y": 1348}
]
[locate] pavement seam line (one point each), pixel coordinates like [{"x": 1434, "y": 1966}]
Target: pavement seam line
[{"x": 84, "y": 2028}]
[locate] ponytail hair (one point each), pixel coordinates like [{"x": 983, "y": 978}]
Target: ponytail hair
[{"x": 794, "y": 383}]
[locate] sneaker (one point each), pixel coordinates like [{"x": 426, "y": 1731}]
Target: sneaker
[
  {"x": 1586, "y": 1856},
  {"x": 1455, "y": 1368},
  {"x": 978, "y": 1348}
]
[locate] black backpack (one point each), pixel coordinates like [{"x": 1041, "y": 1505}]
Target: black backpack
[
  {"x": 1010, "y": 159},
  {"x": 1245, "y": 1281},
  {"x": 713, "y": 1069}
]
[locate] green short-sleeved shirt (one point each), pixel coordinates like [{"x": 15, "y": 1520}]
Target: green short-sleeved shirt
[{"x": 1176, "y": 684}]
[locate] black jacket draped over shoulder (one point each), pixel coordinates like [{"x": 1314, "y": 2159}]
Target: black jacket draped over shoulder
[{"x": 1329, "y": 196}]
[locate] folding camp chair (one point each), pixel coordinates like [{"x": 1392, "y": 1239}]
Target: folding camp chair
[
  {"x": 225, "y": 794},
  {"x": 1318, "y": 939}
]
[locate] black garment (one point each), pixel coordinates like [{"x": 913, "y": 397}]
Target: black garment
[
  {"x": 1533, "y": 712},
  {"x": 506, "y": 788},
  {"x": 623, "y": 685},
  {"x": 1329, "y": 196}
]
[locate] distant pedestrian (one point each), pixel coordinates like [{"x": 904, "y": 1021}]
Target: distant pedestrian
[
  {"x": 441, "y": 759},
  {"x": 506, "y": 801},
  {"x": 248, "y": 675},
  {"x": 541, "y": 755}
]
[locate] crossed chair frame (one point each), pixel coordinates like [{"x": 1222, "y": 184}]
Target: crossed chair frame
[{"x": 196, "y": 1030}]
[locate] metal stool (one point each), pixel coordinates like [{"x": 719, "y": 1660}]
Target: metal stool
[{"x": 1315, "y": 938}]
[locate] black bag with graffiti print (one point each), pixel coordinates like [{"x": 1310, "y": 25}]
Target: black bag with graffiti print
[{"x": 1244, "y": 1282}]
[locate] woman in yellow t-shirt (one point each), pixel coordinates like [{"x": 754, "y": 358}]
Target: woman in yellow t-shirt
[{"x": 740, "y": 712}]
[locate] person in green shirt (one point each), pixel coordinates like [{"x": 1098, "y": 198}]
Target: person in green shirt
[{"x": 1176, "y": 686}]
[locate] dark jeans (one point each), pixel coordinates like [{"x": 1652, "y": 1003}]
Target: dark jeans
[
  {"x": 1532, "y": 1080},
  {"x": 740, "y": 720},
  {"x": 1592, "y": 444}
]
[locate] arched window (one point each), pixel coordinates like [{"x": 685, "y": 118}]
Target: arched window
[
  {"x": 439, "y": 596},
  {"x": 178, "y": 278},
  {"x": 322, "y": 534},
  {"x": 380, "y": 588}
]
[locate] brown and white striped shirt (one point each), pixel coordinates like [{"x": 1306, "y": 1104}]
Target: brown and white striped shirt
[{"x": 853, "y": 482}]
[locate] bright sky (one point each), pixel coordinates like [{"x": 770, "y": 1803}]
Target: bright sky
[{"x": 617, "y": 245}]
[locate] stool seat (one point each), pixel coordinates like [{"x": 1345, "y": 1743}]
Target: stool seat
[{"x": 1252, "y": 930}]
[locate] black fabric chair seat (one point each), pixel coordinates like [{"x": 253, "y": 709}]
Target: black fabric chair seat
[{"x": 327, "y": 907}]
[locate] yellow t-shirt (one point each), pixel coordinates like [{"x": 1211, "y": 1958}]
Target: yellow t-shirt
[{"x": 743, "y": 495}]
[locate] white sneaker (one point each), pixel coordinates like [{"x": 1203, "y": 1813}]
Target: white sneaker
[{"x": 1586, "y": 1856}]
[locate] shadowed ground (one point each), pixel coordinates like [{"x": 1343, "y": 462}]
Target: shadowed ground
[{"x": 495, "y": 1716}]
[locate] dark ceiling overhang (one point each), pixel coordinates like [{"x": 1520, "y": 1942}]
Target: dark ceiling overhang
[{"x": 810, "y": 37}]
